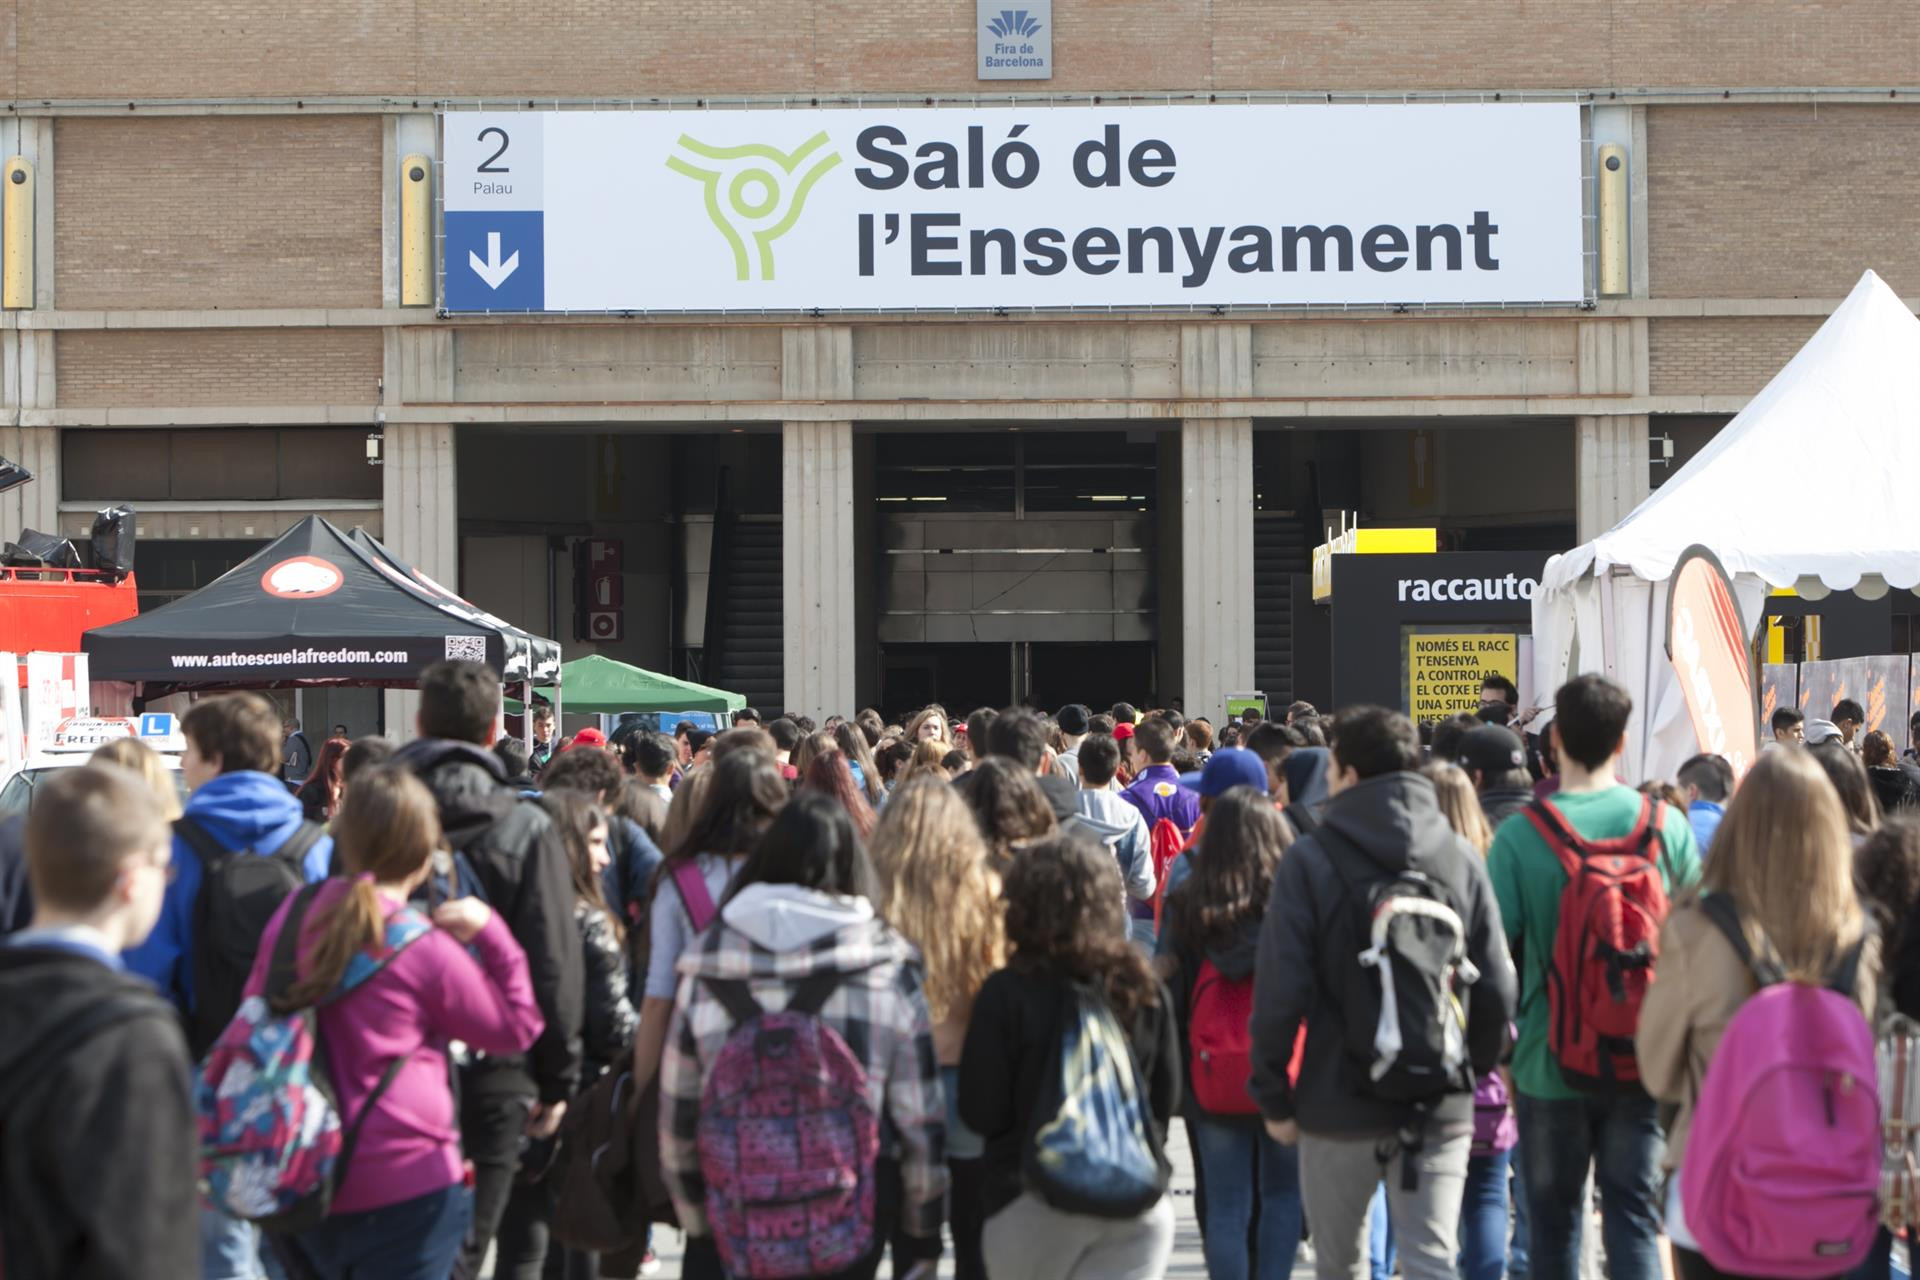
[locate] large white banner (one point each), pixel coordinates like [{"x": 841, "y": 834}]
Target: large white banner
[{"x": 1021, "y": 206}]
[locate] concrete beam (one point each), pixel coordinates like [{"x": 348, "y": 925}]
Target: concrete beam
[
  {"x": 1216, "y": 562},
  {"x": 816, "y": 362},
  {"x": 1610, "y": 462},
  {"x": 817, "y": 567},
  {"x": 36, "y": 505},
  {"x": 421, "y": 518}
]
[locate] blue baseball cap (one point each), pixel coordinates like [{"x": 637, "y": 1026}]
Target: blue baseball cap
[{"x": 1233, "y": 767}]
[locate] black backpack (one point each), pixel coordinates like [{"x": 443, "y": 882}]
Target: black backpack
[
  {"x": 1404, "y": 996},
  {"x": 239, "y": 892}
]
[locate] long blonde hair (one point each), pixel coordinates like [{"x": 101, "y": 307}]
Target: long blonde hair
[
  {"x": 1783, "y": 853},
  {"x": 926, "y": 759},
  {"x": 142, "y": 761},
  {"x": 935, "y": 888},
  {"x": 1460, "y": 803},
  {"x": 937, "y": 713}
]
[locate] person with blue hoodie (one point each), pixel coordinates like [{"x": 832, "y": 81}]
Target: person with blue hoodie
[{"x": 239, "y": 808}]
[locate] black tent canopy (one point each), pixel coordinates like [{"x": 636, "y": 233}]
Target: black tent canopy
[{"x": 314, "y": 607}]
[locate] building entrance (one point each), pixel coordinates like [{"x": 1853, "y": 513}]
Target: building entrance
[
  {"x": 1017, "y": 564},
  {"x": 961, "y": 677}
]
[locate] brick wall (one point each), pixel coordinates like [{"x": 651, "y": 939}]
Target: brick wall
[
  {"x": 197, "y": 212},
  {"x": 213, "y": 48},
  {"x": 639, "y": 48},
  {"x": 1722, "y": 356},
  {"x": 1781, "y": 201},
  {"x": 165, "y": 367}
]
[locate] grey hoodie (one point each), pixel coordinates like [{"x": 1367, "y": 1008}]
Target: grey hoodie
[
  {"x": 1311, "y": 940},
  {"x": 1119, "y": 826}
]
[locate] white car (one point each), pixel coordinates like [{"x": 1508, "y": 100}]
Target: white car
[{"x": 76, "y": 740}]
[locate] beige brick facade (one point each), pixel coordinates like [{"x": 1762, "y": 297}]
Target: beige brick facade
[
  {"x": 1733, "y": 356},
  {"x": 112, "y": 50},
  {"x": 231, "y": 211},
  {"x": 1781, "y": 201},
  {"x": 108, "y": 367}
]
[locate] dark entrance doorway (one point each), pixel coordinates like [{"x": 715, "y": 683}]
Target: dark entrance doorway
[{"x": 961, "y": 677}]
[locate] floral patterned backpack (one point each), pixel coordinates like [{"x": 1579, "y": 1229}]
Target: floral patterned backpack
[{"x": 273, "y": 1145}]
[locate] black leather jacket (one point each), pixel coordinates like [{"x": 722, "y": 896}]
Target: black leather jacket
[{"x": 608, "y": 1027}]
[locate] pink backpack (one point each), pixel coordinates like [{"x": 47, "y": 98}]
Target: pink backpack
[
  {"x": 1782, "y": 1168},
  {"x": 788, "y": 1138}
]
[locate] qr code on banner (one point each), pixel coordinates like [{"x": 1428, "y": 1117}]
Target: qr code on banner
[{"x": 466, "y": 648}]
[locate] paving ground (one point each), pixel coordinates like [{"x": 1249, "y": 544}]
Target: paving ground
[{"x": 1187, "y": 1262}]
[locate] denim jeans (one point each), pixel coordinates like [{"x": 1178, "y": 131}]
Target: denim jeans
[
  {"x": 1382, "y": 1257},
  {"x": 416, "y": 1239},
  {"x": 1619, "y": 1137},
  {"x": 1248, "y": 1173},
  {"x": 230, "y": 1249},
  {"x": 1483, "y": 1219},
  {"x": 1517, "y": 1250}
]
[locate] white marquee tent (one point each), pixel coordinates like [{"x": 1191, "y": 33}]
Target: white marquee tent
[{"x": 1813, "y": 486}]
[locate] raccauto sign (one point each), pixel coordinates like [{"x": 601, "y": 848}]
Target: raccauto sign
[{"x": 1017, "y": 206}]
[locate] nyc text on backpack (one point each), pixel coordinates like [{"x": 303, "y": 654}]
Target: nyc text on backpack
[
  {"x": 239, "y": 892},
  {"x": 1095, "y": 1155},
  {"x": 1606, "y": 945},
  {"x": 274, "y": 1146},
  {"x": 1782, "y": 1169},
  {"x": 1406, "y": 1004},
  {"x": 788, "y": 1139}
]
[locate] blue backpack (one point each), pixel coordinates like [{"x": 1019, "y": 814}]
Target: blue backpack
[{"x": 1097, "y": 1155}]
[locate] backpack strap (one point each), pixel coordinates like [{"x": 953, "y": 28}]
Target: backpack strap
[
  {"x": 283, "y": 970},
  {"x": 736, "y": 997},
  {"x": 210, "y": 851},
  {"x": 813, "y": 992},
  {"x": 295, "y": 847},
  {"x": 1721, "y": 909},
  {"x": 694, "y": 895},
  {"x": 1572, "y": 848},
  {"x": 351, "y": 1138}
]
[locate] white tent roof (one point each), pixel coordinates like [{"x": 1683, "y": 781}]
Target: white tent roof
[{"x": 1813, "y": 480}]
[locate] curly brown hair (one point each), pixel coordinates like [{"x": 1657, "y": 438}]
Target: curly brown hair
[
  {"x": 1066, "y": 919},
  {"x": 1233, "y": 865}
]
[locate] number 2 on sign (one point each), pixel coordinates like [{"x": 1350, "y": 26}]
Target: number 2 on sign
[{"x": 488, "y": 165}]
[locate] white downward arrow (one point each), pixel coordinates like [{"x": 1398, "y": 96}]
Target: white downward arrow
[{"x": 494, "y": 271}]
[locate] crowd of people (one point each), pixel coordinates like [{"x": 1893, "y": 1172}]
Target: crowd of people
[{"x": 814, "y": 995}]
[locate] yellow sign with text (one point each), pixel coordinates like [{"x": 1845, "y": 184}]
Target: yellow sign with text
[{"x": 1444, "y": 671}]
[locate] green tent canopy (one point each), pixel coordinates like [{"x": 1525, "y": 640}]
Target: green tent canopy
[{"x": 597, "y": 685}]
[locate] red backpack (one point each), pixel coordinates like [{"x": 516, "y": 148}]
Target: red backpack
[
  {"x": 1606, "y": 946},
  {"x": 1167, "y": 845},
  {"x": 1220, "y": 1043}
]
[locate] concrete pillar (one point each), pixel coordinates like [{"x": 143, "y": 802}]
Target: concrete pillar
[
  {"x": 1610, "y": 466},
  {"x": 421, "y": 524},
  {"x": 1216, "y": 562},
  {"x": 35, "y": 505},
  {"x": 817, "y": 567}
]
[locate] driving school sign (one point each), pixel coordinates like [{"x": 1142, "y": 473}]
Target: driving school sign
[{"x": 1018, "y": 206}]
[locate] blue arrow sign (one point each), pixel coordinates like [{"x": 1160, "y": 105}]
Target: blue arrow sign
[{"x": 495, "y": 260}]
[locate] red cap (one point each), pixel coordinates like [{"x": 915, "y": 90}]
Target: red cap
[
  {"x": 588, "y": 738},
  {"x": 1121, "y": 732}
]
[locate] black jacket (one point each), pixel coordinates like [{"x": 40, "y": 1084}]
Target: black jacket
[
  {"x": 99, "y": 1158},
  {"x": 609, "y": 1020},
  {"x": 522, "y": 864},
  {"x": 1013, "y": 1045},
  {"x": 1311, "y": 940}
]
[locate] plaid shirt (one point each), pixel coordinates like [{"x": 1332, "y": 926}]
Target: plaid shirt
[{"x": 878, "y": 1008}]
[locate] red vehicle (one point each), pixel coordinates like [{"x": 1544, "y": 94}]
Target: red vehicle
[{"x": 47, "y": 608}]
